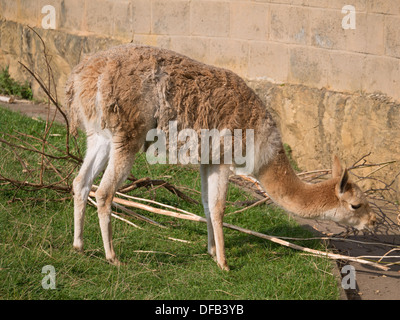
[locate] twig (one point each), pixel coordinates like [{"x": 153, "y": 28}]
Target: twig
[
  {"x": 115, "y": 215},
  {"x": 47, "y": 90},
  {"x": 386, "y": 254},
  {"x": 150, "y": 251},
  {"x": 251, "y": 206},
  {"x": 137, "y": 216},
  {"x": 194, "y": 217},
  {"x": 145, "y": 182},
  {"x": 152, "y": 201}
]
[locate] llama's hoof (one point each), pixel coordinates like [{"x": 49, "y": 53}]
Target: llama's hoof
[
  {"x": 78, "y": 249},
  {"x": 224, "y": 266},
  {"x": 116, "y": 262}
]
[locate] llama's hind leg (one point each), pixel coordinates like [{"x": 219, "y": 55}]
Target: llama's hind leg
[
  {"x": 97, "y": 153},
  {"x": 217, "y": 185},
  {"x": 118, "y": 168}
]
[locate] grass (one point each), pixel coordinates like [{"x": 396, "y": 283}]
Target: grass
[{"x": 34, "y": 234}]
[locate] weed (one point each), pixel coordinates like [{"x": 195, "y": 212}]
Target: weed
[{"x": 12, "y": 87}]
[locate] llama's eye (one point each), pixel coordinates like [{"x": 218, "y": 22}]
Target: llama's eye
[{"x": 356, "y": 206}]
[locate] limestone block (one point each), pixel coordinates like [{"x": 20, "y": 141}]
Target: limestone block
[
  {"x": 249, "y": 21},
  {"x": 146, "y": 39},
  {"x": 8, "y": 43},
  {"x": 289, "y": 24},
  {"x": 346, "y": 71},
  {"x": 229, "y": 53},
  {"x": 99, "y": 17},
  {"x": 171, "y": 17},
  {"x": 392, "y": 36},
  {"x": 193, "y": 47},
  {"x": 326, "y": 28},
  {"x": 72, "y": 16},
  {"x": 368, "y": 37},
  {"x": 384, "y": 6},
  {"x": 141, "y": 16},
  {"x": 308, "y": 66},
  {"x": 210, "y": 18},
  {"x": 359, "y": 5},
  {"x": 28, "y": 12},
  {"x": 382, "y": 74},
  {"x": 9, "y": 10},
  {"x": 123, "y": 24},
  {"x": 269, "y": 60},
  {"x": 319, "y": 3},
  {"x": 294, "y": 2}
]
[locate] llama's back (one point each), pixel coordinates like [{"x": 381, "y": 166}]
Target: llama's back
[
  {"x": 193, "y": 93},
  {"x": 130, "y": 89}
]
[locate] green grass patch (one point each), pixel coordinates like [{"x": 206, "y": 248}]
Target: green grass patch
[{"x": 34, "y": 234}]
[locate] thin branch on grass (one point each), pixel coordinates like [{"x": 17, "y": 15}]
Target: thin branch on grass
[
  {"x": 151, "y": 251},
  {"x": 194, "y": 217},
  {"x": 250, "y": 206}
]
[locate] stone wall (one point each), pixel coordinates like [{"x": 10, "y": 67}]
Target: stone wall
[
  {"x": 295, "y": 41},
  {"x": 318, "y": 123},
  {"x": 333, "y": 89}
]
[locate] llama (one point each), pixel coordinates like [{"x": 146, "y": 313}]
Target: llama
[{"x": 118, "y": 95}]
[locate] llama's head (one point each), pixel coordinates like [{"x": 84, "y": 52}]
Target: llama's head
[{"x": 353, "y": 208}]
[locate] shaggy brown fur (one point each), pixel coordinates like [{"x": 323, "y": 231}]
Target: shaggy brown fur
[{"x": 148, "y": 87}]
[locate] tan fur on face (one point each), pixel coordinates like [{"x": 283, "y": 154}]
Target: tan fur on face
[{"x": 331, "y": 199}]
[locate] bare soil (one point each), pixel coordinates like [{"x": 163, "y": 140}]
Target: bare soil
[{"x": 371, "y": 283}]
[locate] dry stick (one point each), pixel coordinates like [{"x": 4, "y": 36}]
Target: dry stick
[
  {"x": 116, "y": 216},
  {"x": 148, "y": 200},
  {"x": 133, "y": 185},
  {"x": 343, "y": 239},
  {"x": 67, "y": 151},
  {"x": 67, "y": 157},
  {"x": 37, "y": 139},
  {"x": 247, "y": 231},
  {"x": 151, "y": 251},
  {"x": 385, "y": 255},
  {"x": 53, "y": 185},
  {"x": 144, "y": 182},
  {"x": 137, "y": 216},
  {"x": 313, "y": 251},
  {"x": 124, "y": 220},
  {"x": 251, "y": 206}
]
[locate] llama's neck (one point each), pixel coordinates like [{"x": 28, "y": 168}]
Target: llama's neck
[{"x": 286, "y": 189}]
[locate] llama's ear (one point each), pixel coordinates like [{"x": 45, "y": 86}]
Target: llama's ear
[
  {"x": 344, "y": 179},
  {"x": 336, "y": 168}
]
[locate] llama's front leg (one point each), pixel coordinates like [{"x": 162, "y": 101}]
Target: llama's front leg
[
  {"x": 217, "y": 188},
  {"x": 204, "y": 198},
  {"x": 95, "y": 160}
]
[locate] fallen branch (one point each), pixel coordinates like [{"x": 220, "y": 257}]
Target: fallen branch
[
  {"x": 167, "y": 186},
  {"x": 194, "y": 217},
  {"x": 7, "y": 99},
  {"x": 250, "y": 206},
  {"x": 150, "y": 251}
]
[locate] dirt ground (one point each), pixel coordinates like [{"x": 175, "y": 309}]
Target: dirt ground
[{"x": 371, "y": 283}]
